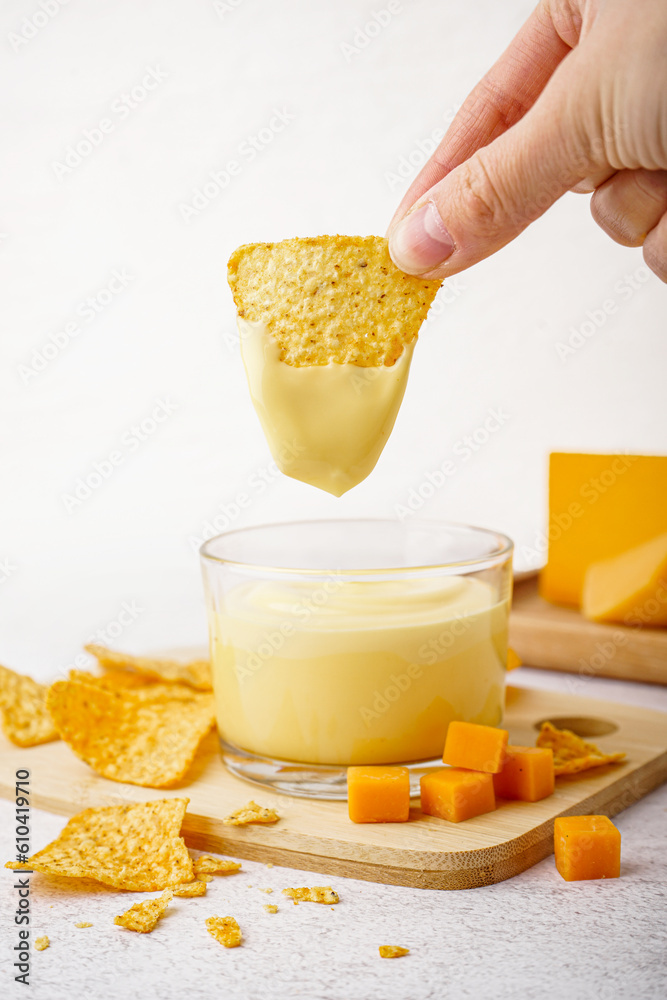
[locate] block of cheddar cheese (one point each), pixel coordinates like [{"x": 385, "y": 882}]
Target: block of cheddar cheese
[
  {"x": 587, "y": 847},
  {"x": 599, "y": 507},
  {"x": 630, "y": 588},
  {"x": 456, "y": 794},
  {"x": 527, "y": 774},
  {"x": 478, "y": 748},
  {"x": 377, "y": 794}
]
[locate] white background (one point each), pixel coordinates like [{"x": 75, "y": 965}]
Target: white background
[{"x": 170, "y": 334}]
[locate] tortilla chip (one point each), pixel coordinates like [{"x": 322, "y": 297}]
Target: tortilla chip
[
  {"x": 196, "y": 673},
  {"x": 41, "y": 943},
  {"x": 143, "y": 687},
  {"x": 392, "y": 951},
  {"x": 196, "y": 888},
  {"x": 270, "y": 907},
  {"x": 25, "y": 718},
  {"x": 251, "y": 813},
  {"x": 144, "y": 737},
  {"x": 571, "y": 753},
  {"x": 143, "y": 917},
  {"x": 206, "y": 865},
  {"x": 318, "y": 894},
  {"x": 330, "y": 298},
  {"x": 112, "y": 679},
  {"x": 225, "y": 930},
  {"x": 129, "y": 847},
  {"x": 204, "y": 878}
]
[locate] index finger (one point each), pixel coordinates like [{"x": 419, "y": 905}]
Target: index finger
[{"x": 497, "y": 102}]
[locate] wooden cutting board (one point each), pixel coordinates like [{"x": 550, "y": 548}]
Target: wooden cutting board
[
  {"x": 425, "y": 852},
  {"x": 555, "y": 638}
]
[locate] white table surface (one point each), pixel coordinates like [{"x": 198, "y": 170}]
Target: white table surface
[{"x": 533, "y": 936}]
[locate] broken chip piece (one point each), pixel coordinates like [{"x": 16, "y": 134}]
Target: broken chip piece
[
  {"x": 392, "y": 951},
  {"x": 196, "y": 888},
  {"x": 196, "y": 673},
  {"x": 251, "y": 813},
  {"x": 23, "y": 712},
  {"x": 317, "y": 894},
  {"x": 142, "y": 917},
  {"x": 571, "y": 753},
  {"x": 225, "y": 930},
  {"x": 206, "y": 865},
  {"x": 83, "y": 923},
  {"x": 270, "y": 907},
  {"x": 129, "y": 847},
  {"x": 41, "y": 942},
  {"x": 144, "y": 737}
]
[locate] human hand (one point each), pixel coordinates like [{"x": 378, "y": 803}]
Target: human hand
[{"x": 577, "y": 102}]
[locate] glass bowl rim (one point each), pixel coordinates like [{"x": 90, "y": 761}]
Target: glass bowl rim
[{"x": 504, "y": 548}]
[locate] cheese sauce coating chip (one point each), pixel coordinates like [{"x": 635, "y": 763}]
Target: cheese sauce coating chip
[{"x": 129, "y": 847}]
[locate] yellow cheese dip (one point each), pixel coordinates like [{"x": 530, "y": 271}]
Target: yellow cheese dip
[
  {"x": 325, "y": 424},
  {"x": 356, "y": 672}
]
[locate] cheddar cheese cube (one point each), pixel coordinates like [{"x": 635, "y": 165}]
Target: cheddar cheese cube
[
  {"x": 527, "y": 774},
  {"x": 587, "y": 847},
  {"x": 599, "y": 507},
  {"x": 456, "y": 794},
  {"x": 629, "y": 588},
  {"x": 478, "y": 748},
  {"x": 378, "y": 794}
]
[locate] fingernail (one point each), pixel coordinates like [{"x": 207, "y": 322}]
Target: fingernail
[{"x": 420, "y": 241}]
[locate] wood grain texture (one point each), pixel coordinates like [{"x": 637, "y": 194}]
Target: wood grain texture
[
  {"x": 425, "y": 852},
  {"x": 554, "y": 638}
]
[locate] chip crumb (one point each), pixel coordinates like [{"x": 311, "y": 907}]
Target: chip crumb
[
  {"x": 251, "y": 813},
  {"x": 196, "y": 888},
  {"x": 571, "y": 753},
  {"x": 317, "y": 894},
  {"x": 24, "y": 716},
  {"x": 83, "y": 923},
  {"x": 142, "y": 917},
  {"x": 392, "y": 951},
  {"x": 41, "y": 943},
  {"x": 206, "y": 865},
  {"x": 270, "y": 907},
  {"x": 225, "y": 930},
  {"x": 266, "y": 890},
  {"x": 269, "y": 864}
]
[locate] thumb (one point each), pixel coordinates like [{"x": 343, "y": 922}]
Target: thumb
[{"x": 484, "y": 203}]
